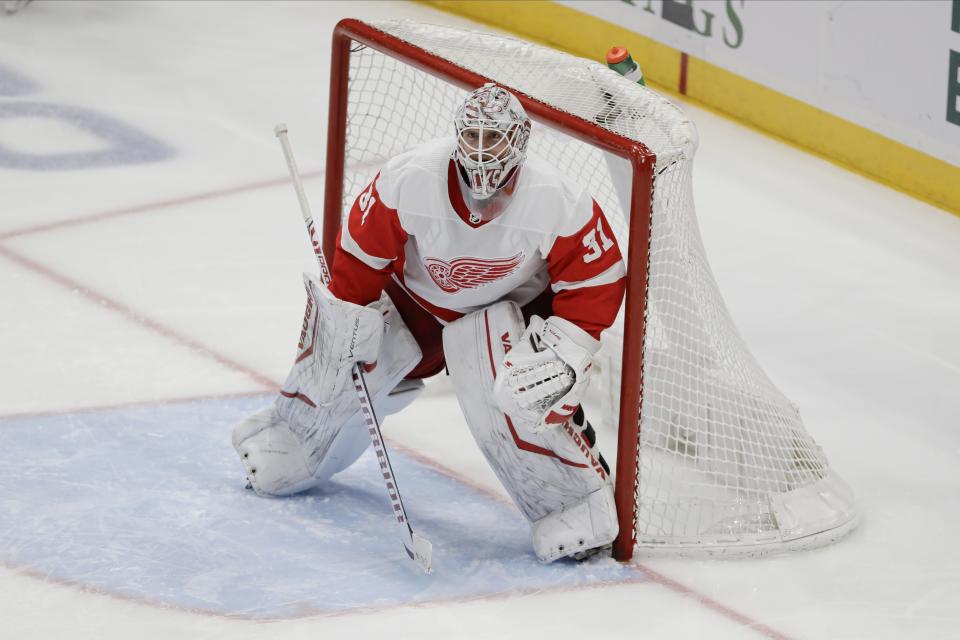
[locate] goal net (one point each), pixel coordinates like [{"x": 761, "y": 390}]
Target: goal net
[{"x": 711, "y": 456}]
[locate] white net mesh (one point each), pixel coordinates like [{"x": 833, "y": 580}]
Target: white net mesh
[{"x": 725, "y": 464}]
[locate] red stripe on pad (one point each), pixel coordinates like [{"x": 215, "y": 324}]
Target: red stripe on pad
[
  {"x": 523, "y": 445},
  {"x": 298, "y": 396}
]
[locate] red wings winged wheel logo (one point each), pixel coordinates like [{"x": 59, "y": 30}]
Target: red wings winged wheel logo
[{"x": 470, "y": 273}]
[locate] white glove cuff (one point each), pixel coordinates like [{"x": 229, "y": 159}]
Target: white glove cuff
[{"x": 572, "y": 344}]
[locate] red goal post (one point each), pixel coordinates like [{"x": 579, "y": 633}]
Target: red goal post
[{"x": 387, "y": 78}]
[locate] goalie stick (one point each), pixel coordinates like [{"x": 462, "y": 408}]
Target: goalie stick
[{"x": 417, "y": 547}]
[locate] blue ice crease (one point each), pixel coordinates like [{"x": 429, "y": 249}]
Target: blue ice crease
[{"x": 148, "y": 503}]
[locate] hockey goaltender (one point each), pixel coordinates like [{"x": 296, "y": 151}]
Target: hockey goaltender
[{"x": 465, "y": 253}]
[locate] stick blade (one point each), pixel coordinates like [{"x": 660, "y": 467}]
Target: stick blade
[{"x": 420, "y": 551}]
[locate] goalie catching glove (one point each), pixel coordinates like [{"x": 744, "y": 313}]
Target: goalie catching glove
[{"x": 544, "y": 377}]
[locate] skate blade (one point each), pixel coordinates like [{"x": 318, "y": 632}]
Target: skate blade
[{"x": 604, "y": 551}]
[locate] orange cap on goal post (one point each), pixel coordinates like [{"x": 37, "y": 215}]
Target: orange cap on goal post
[
  {"x": 617, "y": 54},
  {"x": 619, "y": 59}
]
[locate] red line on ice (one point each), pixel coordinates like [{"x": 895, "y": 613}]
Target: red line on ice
[
  {"x": 150, "y": 206},
  {"x": 710, "y": 603},
  {"x": 138, "y": 318}
]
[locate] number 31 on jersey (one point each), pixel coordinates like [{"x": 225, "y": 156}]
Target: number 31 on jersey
[{"x": 595, "y": 247}]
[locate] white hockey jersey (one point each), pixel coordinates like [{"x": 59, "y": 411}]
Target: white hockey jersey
[{"x": 412, "y": 224}]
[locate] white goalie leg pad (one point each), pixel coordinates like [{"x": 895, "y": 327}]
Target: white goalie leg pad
[
  {"x": 295, "y": 445},
  {"x": 277, "y": 464},
  {"x": 354, "y": 438},
  {"x": 577, "y": 527},
  {"x": 274, "y": 461},
  {"x": 554, "y": 477}
]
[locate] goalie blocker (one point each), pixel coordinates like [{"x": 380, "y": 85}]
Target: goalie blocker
[
  {"x": 556, "y": 476},
  {"x": 315, "y": 427}
]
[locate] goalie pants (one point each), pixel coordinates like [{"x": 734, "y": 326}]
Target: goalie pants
[{"x": 428, "y": 332}]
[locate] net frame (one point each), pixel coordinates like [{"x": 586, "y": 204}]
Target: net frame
[{"x": 643, "y": 166}]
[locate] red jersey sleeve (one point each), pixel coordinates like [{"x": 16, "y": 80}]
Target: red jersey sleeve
[
  {"x": 587, "y": 275},
  {"x": 368, "y": 246}
]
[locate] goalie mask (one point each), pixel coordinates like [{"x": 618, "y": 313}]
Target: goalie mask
[{"x": 492, "y": 134}]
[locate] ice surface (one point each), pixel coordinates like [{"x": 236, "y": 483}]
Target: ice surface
[
  {"x": 145, "y": 305},
  {"x": 146, "y": 502}
]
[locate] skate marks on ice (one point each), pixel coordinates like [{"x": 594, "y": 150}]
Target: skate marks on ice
[{"x": 147, "y": 503}]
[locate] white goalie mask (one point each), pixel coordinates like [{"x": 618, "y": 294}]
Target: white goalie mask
[{"x": 492, "y": 134}]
